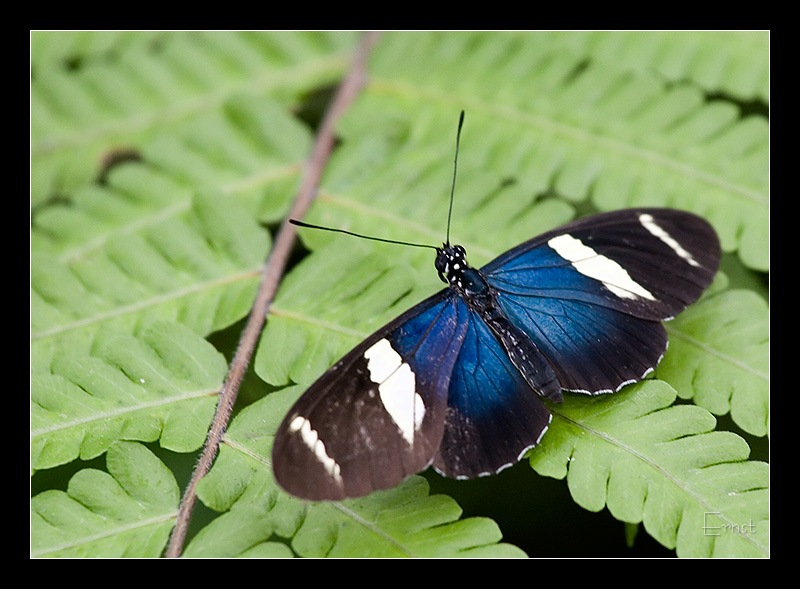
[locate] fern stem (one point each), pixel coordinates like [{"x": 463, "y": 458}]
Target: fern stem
[{"x": 273, "y": 270}]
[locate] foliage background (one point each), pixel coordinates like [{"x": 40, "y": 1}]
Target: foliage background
[{"x": 160, "y": 164}]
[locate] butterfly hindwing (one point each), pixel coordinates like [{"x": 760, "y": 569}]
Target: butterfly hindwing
[
  {"x": 592, "y": 349},
  {"x": 493, "y": 415},
  {"x": 377, "y": 415}
]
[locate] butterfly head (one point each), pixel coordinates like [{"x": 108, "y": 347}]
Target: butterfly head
[{"x": 451, "y": 261}]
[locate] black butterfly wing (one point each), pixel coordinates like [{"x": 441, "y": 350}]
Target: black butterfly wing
[
  {"x": 376, "y": 416},
  {"x": 591, "y": 294}
]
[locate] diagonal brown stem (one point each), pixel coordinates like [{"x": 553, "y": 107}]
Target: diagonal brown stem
[{"x": 273, "y": 270}]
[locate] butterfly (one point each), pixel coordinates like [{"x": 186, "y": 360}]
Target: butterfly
[{"x": 461, "y": 380}]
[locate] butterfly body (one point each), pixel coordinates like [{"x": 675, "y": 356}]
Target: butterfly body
[{"x": 460, "y": 380}]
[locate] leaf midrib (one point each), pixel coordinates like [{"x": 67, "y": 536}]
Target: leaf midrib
[
  {"x": 110, "y": 533},
  {"x": 140, "y": 306},
  {"x": 102, "y": 416}
]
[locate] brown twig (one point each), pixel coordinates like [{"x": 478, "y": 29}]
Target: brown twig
[{"x": 272, "y": 272}]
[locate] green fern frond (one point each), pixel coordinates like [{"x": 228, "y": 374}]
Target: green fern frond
[
  {"x": 79, "y": 116},
  {"x": 406, "y": 197},
  {"x": 552, "y": 119},
  {"x": 662, "y": 465},
  {"x": 404, "y": 521},
  {"x": 134, "y": 198},
  {"x": 126, "y": 512},
  {"x": 306, "y": 333},
  {"x": 250, "y": 148},
  {"x": 198, "y": 266},
  {"x": 734, "y": 63},
  {"x": 60, "y": 49},
  {"x": 719, "y": 357},
  {"x": 162, "y": 386}
]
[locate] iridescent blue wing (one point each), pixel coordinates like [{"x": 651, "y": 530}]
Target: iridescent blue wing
[
  {"x": 493, "y": 415},
  {"x": 591, "y": 294}
]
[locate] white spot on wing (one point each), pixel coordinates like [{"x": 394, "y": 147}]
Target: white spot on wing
[
  {"x": 311, "y": 439},
  {"x": 382, "y": 360},
  {"x": 589, "y": 263},
  {"x": 397, "y": 387},
  {"x": 650, "y": 224}
]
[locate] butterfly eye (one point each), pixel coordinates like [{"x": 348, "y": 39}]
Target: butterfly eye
[{"x": 442, "y": 264}]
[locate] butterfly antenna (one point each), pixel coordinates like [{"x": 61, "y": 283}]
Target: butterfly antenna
[
  {"x": 310, "y": 226},
  {"x": 455, "y": 169},
  {"x": 370, "y": 237}
]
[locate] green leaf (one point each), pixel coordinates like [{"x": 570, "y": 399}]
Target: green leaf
[
  {"x": 127, "y": 512},
  {"x": 404, "y": 521},
  {"x": 719, "y": 357},
  {"x": 735, "y": 63},
  {"x": 199, "y": 266},
  {"x": 587, "y": 127},
  {"x": 149, "y": 89},
  {"x": 161, "y": 386},
  {"x": 250, "y": 148},
  {"x": 663, "y": 465}
]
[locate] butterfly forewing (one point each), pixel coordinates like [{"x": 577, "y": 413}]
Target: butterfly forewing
[
  {"x": 650, "y": 263},
  {"x": 591, "y": 294},
  {"x": 377, "y": 415}
]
